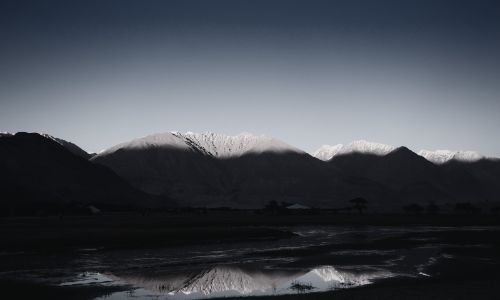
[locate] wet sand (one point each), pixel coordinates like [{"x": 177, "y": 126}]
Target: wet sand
[{"x": 472, "y": 273}]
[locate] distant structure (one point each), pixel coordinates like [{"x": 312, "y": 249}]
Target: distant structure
[
  {"x": 297, "y": 206},
  {"x": 94, "y": 210}
]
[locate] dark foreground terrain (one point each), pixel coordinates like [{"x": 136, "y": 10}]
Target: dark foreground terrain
[
  {"x": 132, "y": 230},
  {"x": 439, "y": 257},
  {"x": 174, "y": 228}
]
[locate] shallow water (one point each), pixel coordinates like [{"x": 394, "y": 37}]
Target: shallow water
[{"x": 318, "y": 258}]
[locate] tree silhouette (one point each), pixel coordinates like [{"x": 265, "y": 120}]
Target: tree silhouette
[
  {"x": 432, "y": 208},
  {"x": 359, "y": 203},
  {"x": 301, "y": 287},
  {"x": 466, "y": 207},
  {"x": 272, "y": 206}
]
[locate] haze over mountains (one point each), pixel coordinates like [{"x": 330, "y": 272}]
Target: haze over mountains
[{"x": 247, "y": 171}]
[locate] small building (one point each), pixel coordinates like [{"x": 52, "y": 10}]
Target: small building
[
  {"x": 93, "y": 210},
  {"x": 297, "y": 206}
]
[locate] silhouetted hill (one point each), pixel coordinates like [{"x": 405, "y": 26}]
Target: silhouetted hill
[
  {"x": 70, "y": 147},
  {"x": 257, "y": 178},
  {"x": 475, "y": 180},
  {"x": 37, "y": 171},
  {"x": 404, "y": 175},
  {"x": 189, "y": 176},
  {"x": 408, "y": 177}
]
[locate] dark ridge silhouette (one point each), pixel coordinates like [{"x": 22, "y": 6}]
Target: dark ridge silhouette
[
  {"x": 248, "y": 181},
  {"x": 475, "y": 180},
  {"x": 38, "y": 173},
  {"x": 287, "y": 177},
  {"x": 252, "y": 180},
  {"x": 402, "y": 177},
  {"x": 189, "y": 176},
  {"x": 410, "y": 178},
  {"x": 388, "y": 182},
  {"x": 38, "y": 169},
  {"x": 73, "y": 148}
]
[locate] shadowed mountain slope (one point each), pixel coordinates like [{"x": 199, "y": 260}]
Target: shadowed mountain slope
[{"x": 37, "y": 170}]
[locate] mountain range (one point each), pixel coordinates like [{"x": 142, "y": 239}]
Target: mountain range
[{"x": 248, "y": 171}]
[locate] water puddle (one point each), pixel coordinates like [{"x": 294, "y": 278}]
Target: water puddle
[{"x": 317, "y": 259}]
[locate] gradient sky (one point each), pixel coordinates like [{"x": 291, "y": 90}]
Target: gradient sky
[{"x": 425, "y": 74}]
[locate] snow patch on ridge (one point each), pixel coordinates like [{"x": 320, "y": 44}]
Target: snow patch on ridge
[
  {"x": 5, "y": 133},
  {"x": 443, "y": 156},
  {"x": 327, "y": 152},
  {"x": 150, "y": 141}
]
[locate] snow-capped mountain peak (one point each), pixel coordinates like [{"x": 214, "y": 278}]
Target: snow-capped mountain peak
[
  {"x": 226, "y": 146},
  {"x": 327, "y": 152},
  {"x": 208, "y": 143},
  {"x": 223, "y": 146},
  {"x": 443, "y": 156},
  {"x": 168, "y": 139}
]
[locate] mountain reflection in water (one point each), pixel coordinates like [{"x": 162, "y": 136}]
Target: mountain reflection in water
[
  {"x": 223, "y": 281},
  {"x": 303, "y": 263}
]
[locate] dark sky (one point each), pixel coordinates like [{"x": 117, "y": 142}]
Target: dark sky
[{"x": 425, "y": 74}]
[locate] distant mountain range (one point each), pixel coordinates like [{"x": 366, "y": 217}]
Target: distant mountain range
[
  {"x": 327, "y": 152},
  {"x": 247, "y": 171}
]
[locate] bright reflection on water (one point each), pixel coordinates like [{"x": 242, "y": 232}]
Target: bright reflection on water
[
  {"x": 317, "y": 258},
  {"x": 223, "y": 281}
]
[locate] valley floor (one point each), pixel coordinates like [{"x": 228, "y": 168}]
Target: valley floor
[
  {"x": 472, "y": 275},
  {"x": 129, "y": 230}
]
